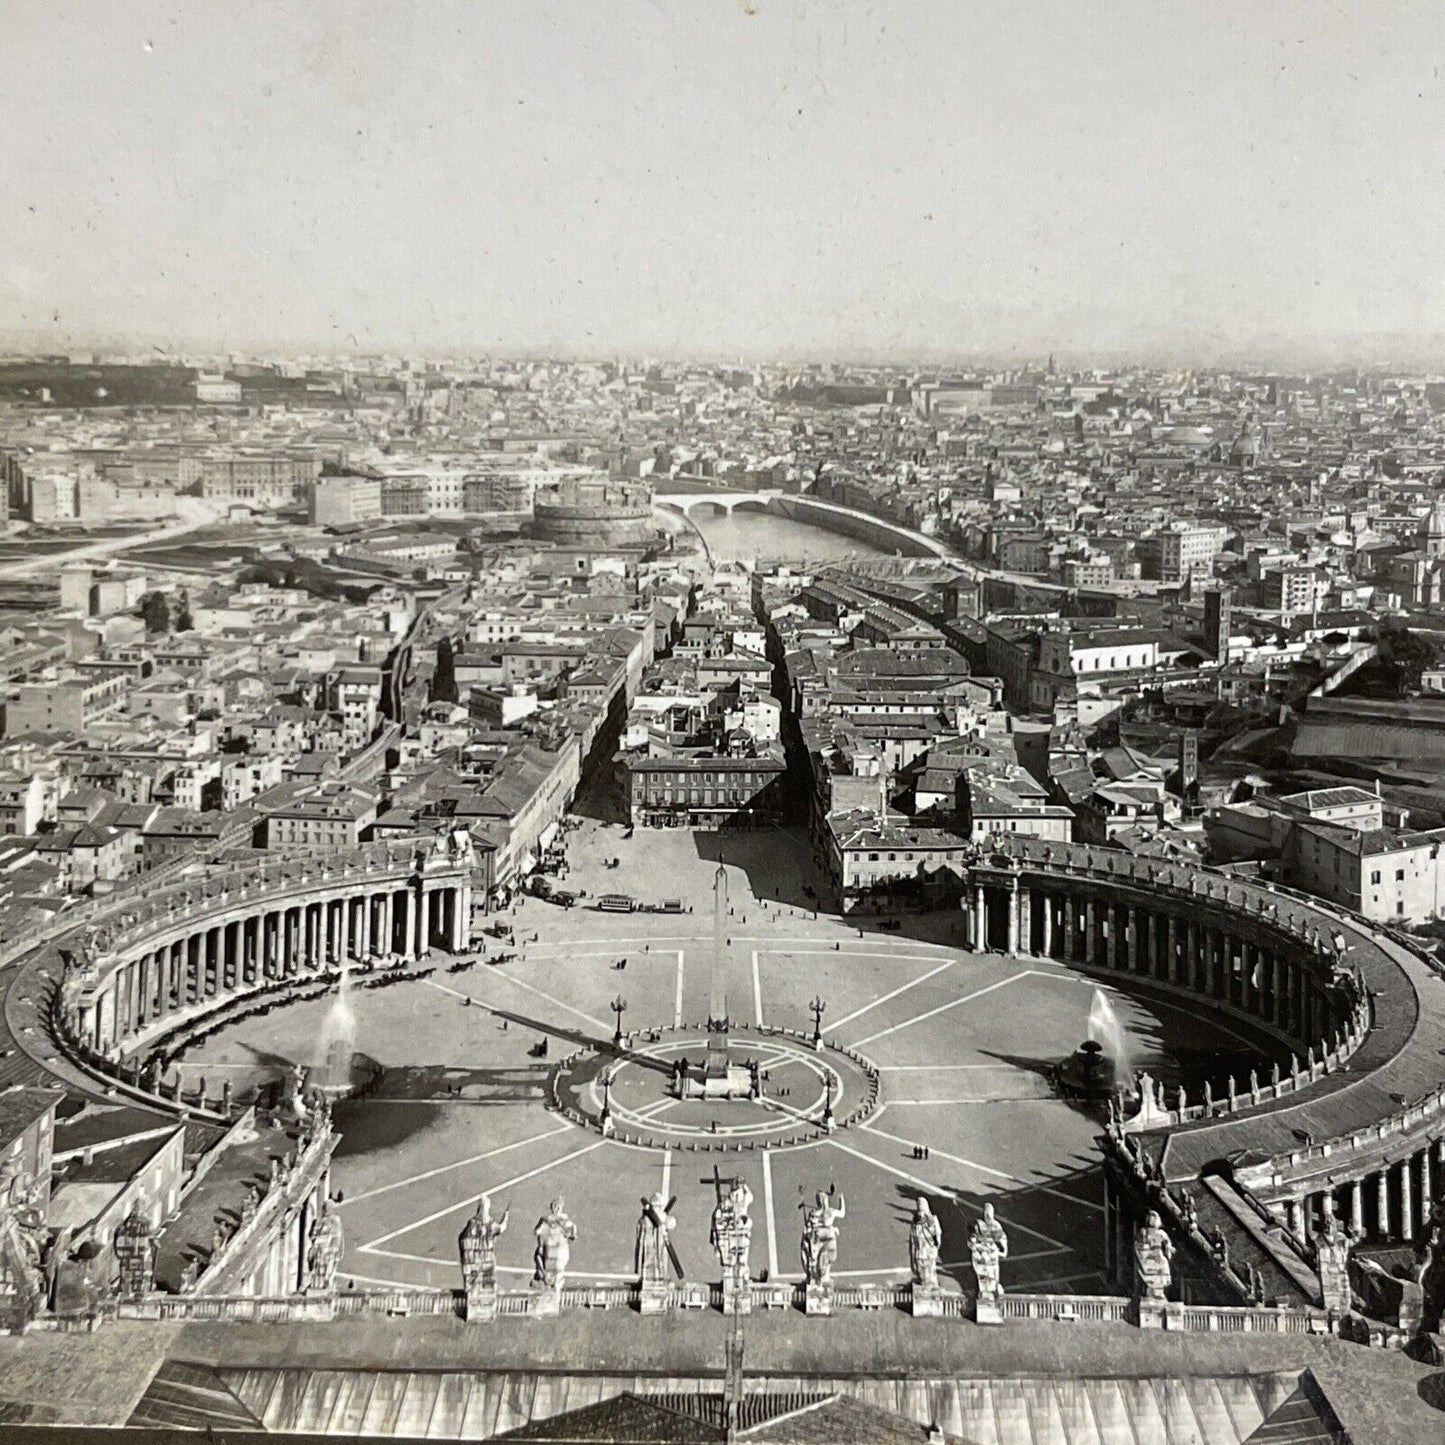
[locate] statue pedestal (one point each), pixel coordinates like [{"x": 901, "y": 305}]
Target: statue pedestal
[
  {"x": 988, "y": 1310},
  {"x": 653, "y": 1297},
  {"x": 926, "y": 1301},
  {"x": 546, "y": 1304},
  {"x": 1159, "y": 1314},
  {"x": 818, "y": 1298},
  {"x": 737, "y": 1294},
  {"x": 481, "y": 1304}
]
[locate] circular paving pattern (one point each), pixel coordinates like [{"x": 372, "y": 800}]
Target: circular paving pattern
[{"x": 629, "y": 1095}]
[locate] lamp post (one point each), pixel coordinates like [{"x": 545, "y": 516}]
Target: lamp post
[
  {"x": 619, "y": 1007},
  {"x": 818, "y": 1007},
  {"x": 608, "y": 1127}
]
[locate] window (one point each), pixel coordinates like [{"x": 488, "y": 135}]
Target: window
[
  {"x": 1375, "y": 876},
  {"x": 1399, "y": 875}
]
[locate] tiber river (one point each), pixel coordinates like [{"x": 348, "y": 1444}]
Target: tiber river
[{"x": 746, "y": 536}]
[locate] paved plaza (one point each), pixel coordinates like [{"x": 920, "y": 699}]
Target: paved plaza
[{"x": 958, "y": 1044}]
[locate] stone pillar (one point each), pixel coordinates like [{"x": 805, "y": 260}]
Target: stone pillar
[
  {"x": 1355, "y": 1207},
  {"x": 1048, "y": 940},
  {"x": 461, "y": 917},
  {"x": 1131, "y": 939},
  {"x": 388, "y": 941},
  {"x": 1407, "y": 1201},
  {"x": 1382, "y": 1203},
  {"x": 1090, "y": 938},
  {"x": 402, "y": 904},
  {"x": 980, "y": 919},
  {"x": 1427, "y": 1192},
  {"x": 1013, "y": 921},
  {"x": 422, "y": 941},
  {"x": 1171, "y": 948},
  {"x": 1292, "y": 1216},
  {"x": 1025, "y": 911},
  {"x": 363, "y": 941}
]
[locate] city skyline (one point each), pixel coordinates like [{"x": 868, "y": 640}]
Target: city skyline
[{"x": 929, "y": 183}]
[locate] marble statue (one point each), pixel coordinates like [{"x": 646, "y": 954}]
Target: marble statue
[
  {"x": 326, "y": 1247},
  {"x": 654, "y": 1257},
  {"x": 925, "y": 1236},
  {"x": 1153, "y": 1251},
  {"x": 555, "y": 1234},
  {"x": 987, "y": 1248},
  {"x": 1332, "y": 1244},
  {"x": 731, "y": 1234},
  {"x": 478, "y": 1243},
  {"x": 820, "y": 1237},
  {"x": 135, "y": 1249}
]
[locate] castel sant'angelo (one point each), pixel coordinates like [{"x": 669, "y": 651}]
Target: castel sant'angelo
[{"x": 595, "y": 511}]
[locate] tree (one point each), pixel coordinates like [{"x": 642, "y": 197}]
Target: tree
[
  {"x": 155, "y": 610},
  {"x": 183, "y": 621},
  {"x": 444, "y": 679}
]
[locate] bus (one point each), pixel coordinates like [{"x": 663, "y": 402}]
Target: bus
[{"x": 615, "y": 903}]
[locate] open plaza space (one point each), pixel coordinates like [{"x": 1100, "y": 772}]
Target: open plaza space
[{"x": 960, "y": 1045}]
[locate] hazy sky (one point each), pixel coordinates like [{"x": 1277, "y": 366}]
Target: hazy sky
[{"x": 1249, "y": 179}]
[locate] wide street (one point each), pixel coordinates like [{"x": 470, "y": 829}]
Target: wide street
[{"x": 959, "y": 1043}]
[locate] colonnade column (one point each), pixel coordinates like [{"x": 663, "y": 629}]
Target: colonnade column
[
  {"x": 462, "y": 916},
  {"x": 1048, "y": 939}
]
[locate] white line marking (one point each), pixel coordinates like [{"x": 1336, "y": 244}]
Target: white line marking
[
  {"x": 530, "y": 988},
  {"x": 768, "y": 1210},
  {"x": 942, "y": 1008},
  {"x": 978, "y": 1099},
  {"x": 757, "y": 990},
  {"x": 666, "y": 1173},
  {"x": 372, "y": 1246},
  {"x": 677, "y": 1001},
  {"x": 928, "y": 1188},
  {"x": 456, "y": 1164},
  {"x": 985, "y": 1169},
  {"x": 934, "y": 1069},
  {"x": 912, "y": 983}
]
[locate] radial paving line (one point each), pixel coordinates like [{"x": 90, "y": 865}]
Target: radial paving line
[
  {"x": 677, "y": 1000},
  {"x": 530, "y": 988},
  {"x": 768, "y": 1211},
  {"x": 455, "y": 1164},
  {"x": 902, "y": 988},
  {"x": 942, "y": 1008},
  {"x": 872, "y": 1128},
  {"x": 757, "y": 991},
  {"x": 373, "y": 1246},
  {"x": 929, "y": 1188},
  {"x": 932, "y": 1068}
]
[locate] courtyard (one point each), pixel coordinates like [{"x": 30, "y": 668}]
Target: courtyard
[{"x": 958, "y": 1044}]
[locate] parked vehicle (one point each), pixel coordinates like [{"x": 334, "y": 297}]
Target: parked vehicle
[{"x": 616, "y": 903}]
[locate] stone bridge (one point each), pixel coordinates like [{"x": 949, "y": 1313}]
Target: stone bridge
[{"x": 847, "y": 521}]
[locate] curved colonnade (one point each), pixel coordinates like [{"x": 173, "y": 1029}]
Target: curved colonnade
[
  {"x": 175, "y": 956},
  {"x": 1354, "y": 1126}
]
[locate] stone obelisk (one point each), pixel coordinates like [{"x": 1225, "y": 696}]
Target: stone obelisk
[{"x": 717, "y": 998}]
